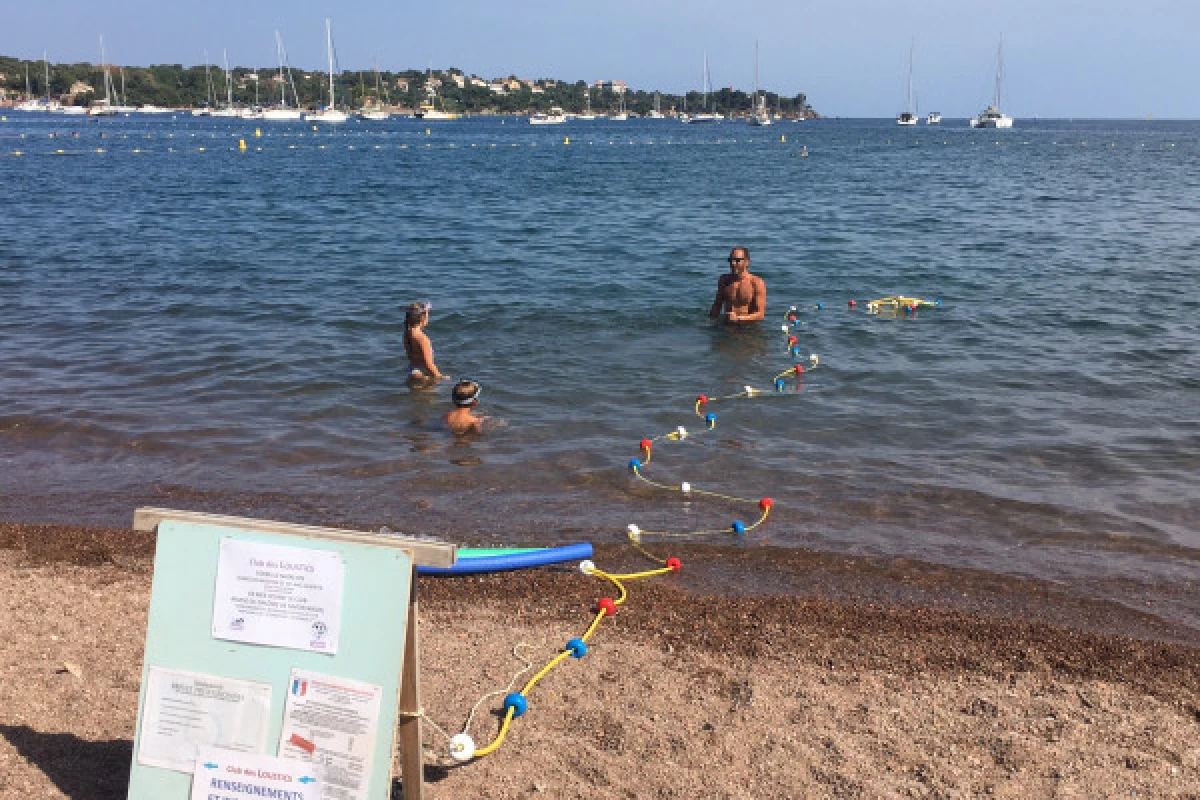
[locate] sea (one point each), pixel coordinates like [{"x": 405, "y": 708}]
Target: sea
[{"x": 208, "y": 314}]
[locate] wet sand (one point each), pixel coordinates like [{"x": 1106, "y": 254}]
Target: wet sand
[{"x": 835, "y": 677}]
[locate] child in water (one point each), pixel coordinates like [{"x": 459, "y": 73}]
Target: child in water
[
  {"x": 421, "y": 369},
  {"x": 461, "y": 420}
]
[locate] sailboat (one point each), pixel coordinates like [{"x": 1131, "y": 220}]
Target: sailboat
[
  {"x": 330, "y": 113},
  {"x": 909, "y": 115},
  {"x": 104, "y": 108},
  {"x": 760, "y": 115},
  {"x": 210, "y": 98},
  {"x": 588, "y": 115},
  {"x": 705, "y": 115},
  {"x": 28, "y": 104},
  {"x": 991, "y": 117},
  {"x": 656, "y": 112},
  {"x": 282, "y": 112},
  {"x": 376, "y": 113},
  {"x": 622, "y": 115},
  {"x": 429, "y": 109}
]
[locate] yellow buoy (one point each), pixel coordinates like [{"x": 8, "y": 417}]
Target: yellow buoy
[
  {"x": 3, "y": 119},
  {"x": 242, "y": 145},
  {"x": 99, "y": 149},
  {"x": 566, "y": 140},
  {"x": 427, "y": 131},
  {"x": 257, "y": 133},
  {"x": 314, "y": 127},
  {"x": 18, "y": 153},
  {"x": 200, "y": 149},
  {"x": 783, "y": 137}
]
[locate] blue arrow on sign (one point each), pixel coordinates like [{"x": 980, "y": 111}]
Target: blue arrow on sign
[
  {"x": 210, "y": 765},
  {"x": 307, "y": 779}
]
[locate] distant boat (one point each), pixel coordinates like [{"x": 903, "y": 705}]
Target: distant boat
[
  {"x": 429, "y": 110},
  {"x": 992, "y": 117},
  {"x": 588, "y": 115},
  {"x": 282, "y": 112},
  {"x": 933, "y": 118},
  {"x": 909, "y": 115},
  {"x": 556, "y": 116},
  {"x": 375, "y": 114},
  {"x": 704, "y": 116},
  {"x": 656, "y": 113},
  {"x": 330, "y": 113},
  {"x": 760, "y": 115},
  {"x": 104, "y": 108}
]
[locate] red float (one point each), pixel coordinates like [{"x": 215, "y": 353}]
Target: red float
[
  {"x": 674, "y": 564},
  {"x": 606, "y": 606}
]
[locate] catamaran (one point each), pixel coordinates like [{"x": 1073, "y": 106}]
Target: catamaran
[
  {"x": 991, "y": 117},
  {"x": 330, "y": 113},
  {"x": 909, "y": 115}
]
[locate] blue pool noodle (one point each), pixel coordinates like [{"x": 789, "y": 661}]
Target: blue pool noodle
[{"x": 535, "y": 558}]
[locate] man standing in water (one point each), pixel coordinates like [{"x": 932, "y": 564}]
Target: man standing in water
[{"x": 741, "y": 296}]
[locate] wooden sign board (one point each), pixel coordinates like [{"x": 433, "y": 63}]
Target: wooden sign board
[{"x": 313, "y": 633}]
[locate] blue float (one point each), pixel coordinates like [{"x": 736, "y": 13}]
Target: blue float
[{"x": 511, "y": 561}]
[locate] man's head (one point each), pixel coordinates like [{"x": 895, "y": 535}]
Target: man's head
[
  {"x": 466, "y": 394},
  {"x": 739, "y": 261}
]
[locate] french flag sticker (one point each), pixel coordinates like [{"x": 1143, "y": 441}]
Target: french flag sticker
[{"x": 299, "y": 687}]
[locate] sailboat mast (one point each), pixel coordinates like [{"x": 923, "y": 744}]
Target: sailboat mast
[
  {"x": 282, "y": 85},
  {"x": 107, "y": 77},
  {"x": 999, "y": 69},
  {"x": 46, "y": 59},
  {"x": 911, "y": 46},
  {"x": 329, "y": 52},
  {"x": 228, "y": 78}
]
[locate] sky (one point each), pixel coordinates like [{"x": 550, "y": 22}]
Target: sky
[{"x": 1062, "y": 58}]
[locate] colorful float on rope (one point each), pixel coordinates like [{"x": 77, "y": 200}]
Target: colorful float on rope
[{"x": 908, "y": 304}]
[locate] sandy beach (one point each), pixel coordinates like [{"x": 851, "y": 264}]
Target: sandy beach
[{"x": 839, "y": 677}]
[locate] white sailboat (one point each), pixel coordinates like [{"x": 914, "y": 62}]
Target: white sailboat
[
  {"x": 29, "y": 103},
  {"x": 760, "y": 115},
  {"x": 104, "y": 108},
  {"x": 992, "y": 117},
  {"x": 429, "y": 110},
  {"x": 375, "y": 114},
  {"x": 282, "y": 112},
  {"x": 622, "y": 114},
  {"x": 909, "y": 115},
  {"x": 210, "y": 98},
  {"x": 933, "y": 118},
  {"x": 705, "y": 115},
  {"x": 588, "y": 115},
  {"x": 330, "y": 113},
  {"x": 656, "y": 112}
]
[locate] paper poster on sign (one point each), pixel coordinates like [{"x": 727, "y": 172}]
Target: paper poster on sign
[
  {"x": 187, "y": 710},
  {"x": 331, "y": 722},
  {"x": 278, "y": 596},
  {"x": 223, "y": 775}
]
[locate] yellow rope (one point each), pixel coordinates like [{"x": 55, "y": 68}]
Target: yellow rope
[{"x": 495, "y": 744}]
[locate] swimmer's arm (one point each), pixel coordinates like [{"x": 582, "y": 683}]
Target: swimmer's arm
[{"x": 719, "y": 301}]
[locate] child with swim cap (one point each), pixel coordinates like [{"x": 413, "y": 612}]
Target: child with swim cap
[
  {"x": 466, "y": 397},
  {"x": 421, "y": 369}
]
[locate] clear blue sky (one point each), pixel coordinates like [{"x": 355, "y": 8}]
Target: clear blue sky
[{"x": 1064, "y": 58}]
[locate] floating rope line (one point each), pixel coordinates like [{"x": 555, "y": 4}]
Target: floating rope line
[{"x": 462, "y": 746}]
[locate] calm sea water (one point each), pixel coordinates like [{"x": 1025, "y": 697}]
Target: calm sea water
[{"x": 185, "y": 324}]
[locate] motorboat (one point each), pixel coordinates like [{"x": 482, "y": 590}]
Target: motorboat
[
  {"x": 555, "y": 116},
  {"x": 933, "y": 118}
]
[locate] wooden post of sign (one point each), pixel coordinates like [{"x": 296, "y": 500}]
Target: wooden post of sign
[{"x": 412, "y": 763}]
